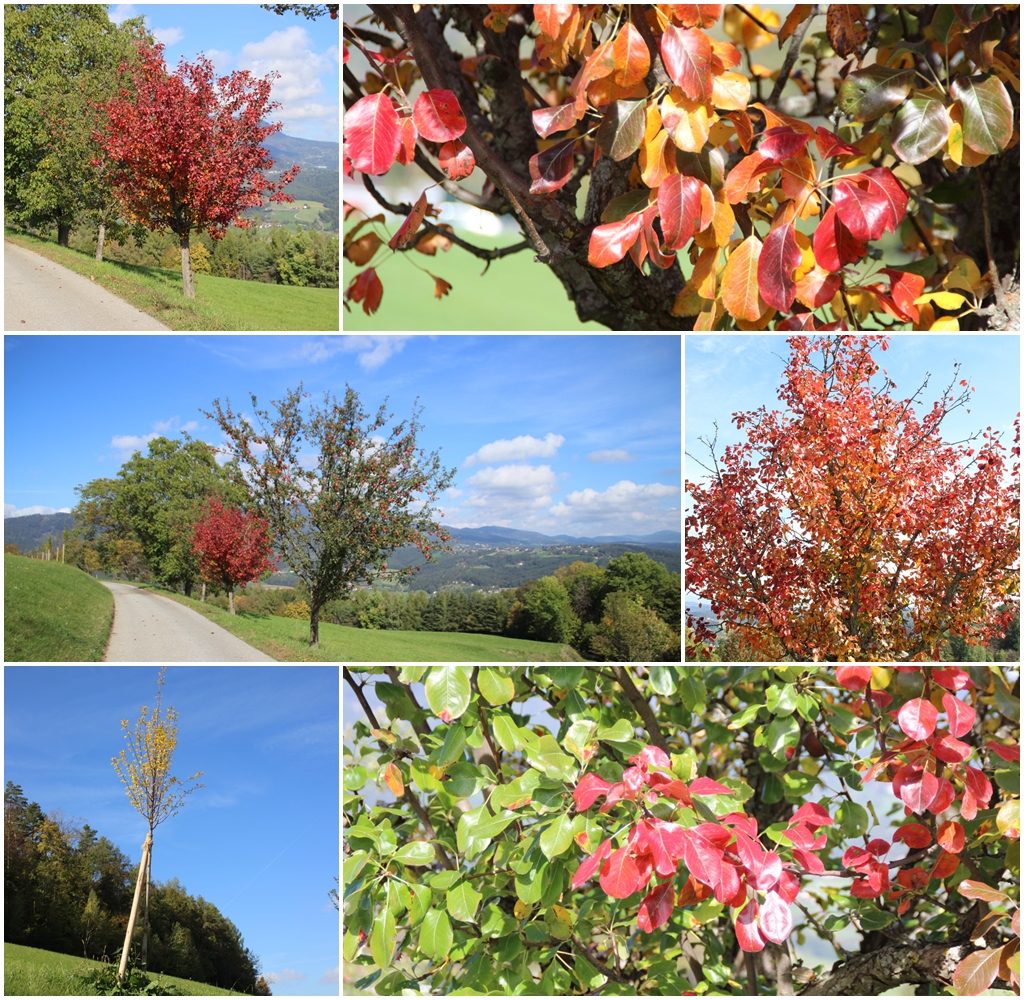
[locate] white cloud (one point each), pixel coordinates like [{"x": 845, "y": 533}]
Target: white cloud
[
  {"x": 130, "y": 443},
  {"x": 290, "y": 53},
  {"x": 121, "y": 12},
  {"x": 330, "y": 976},
  {"x": 627, "y": 505},
  {"x": 168, "y": 36},
  {"x": 508, "y": 494},
  {"x": 611, "y": 455},
  {"x": 524, "y": 446},
  {"x": 220, "y": 59},
  {"x": 284, "y": 976},
  {"x": 11, "y": 511},
  {"x": 372, "y": 351}
]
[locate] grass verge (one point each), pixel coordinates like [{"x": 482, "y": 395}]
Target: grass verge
[
  {"x": 288, "y": 639},
  {"x": 53, "y": 612},
  {"x": 33, "y": 972},
  {"x": 220, "y": 303}
]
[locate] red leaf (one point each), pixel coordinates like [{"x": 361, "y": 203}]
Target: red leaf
[
  {"x": 551, "y": 16},
  {"x": 632, "y": 58},
  {"x": 917, "y": 718},
  {"x": 829, "y": 144},
  {"x": 697, "y": 15},
  {"x": 456, "y": 159},
  {"x": 780, "y": 256},
  {"x": 411, "y": 226},
  {"x": 885, "y": 185},
  {"x": 620, "y": 876},
  {"x": 610, "y": 243},
  {"x": 775, "y": 918},
  {"x": 913, "y": 835},
  {"x": 945, "y": 866},
  {"x": 951, "y": 750},
  {"x": 976, "y": 972},
  {"x": 686, "y": 206},
  {"x": 656, "y": 907},
  {"x": 812, "y": 814},
  {"x": 1009, "y": 753},
  {"x": 782, "y": 143},
  {"x": 686, "y": 53},
  {"x": 863, "y": 212},
  {"x": 951, "y": 837},
  {"x": 905, "y": 287},
  {"x": 961, "y": 715},
  {"x": 438, "y": 116},
  {"x": 365, "y": 287},
  {"x": 748, "y": 934},
  {"x": 664, "y": 842},
  {"x": 703, "y": 859},
  {"x": 705, "y": 786},
  {"x": 853, "y": 678},
  {"x": 589, "y": 790},
  {"x": 834, "y": 244},
  {"x": 551, "y": 168},
  {"x": 371, "y": 134},
  {"x": 550, "y": 120},
  {"x": 742, "y": 177},
  {"x": 586, "y": 870},
  {"x": 916, "y": 788}
]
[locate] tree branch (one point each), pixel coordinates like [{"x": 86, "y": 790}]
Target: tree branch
[
  {"x": 643, "y": 709},
  {"x": 795, "y": 42}
]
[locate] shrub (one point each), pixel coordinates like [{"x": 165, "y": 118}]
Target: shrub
[{"x": 297, "y": 609}]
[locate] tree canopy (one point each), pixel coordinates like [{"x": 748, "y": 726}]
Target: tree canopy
[
  {"x": 717, "y": 830},
  {"x": 865, "y": 178},
  {"x": 845, "y": 527}
]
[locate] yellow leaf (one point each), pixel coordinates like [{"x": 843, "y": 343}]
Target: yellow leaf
[
  {"x": 522, "y": 909},
  {"x": 945, "y": 323},
  {"x": 955, "y": 143},
  {"x": 966, "y": 275},
  {"x": 687, "y": 122},
  {"x": 730, "y": 91},
  {"x": 393, "y": 779},
  {"x": 1008, "y": 819},
  {"x": 740, "y": 293},
  {"x": 944, "y": 300},
  {"x": 559, "y": 921},
  {"x": 880, "y": 677}
]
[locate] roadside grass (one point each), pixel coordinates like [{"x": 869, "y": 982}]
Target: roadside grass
[
  {"x": 53, "y": 612},
  {"x": 220, "y": 303},
  {"x": 288, "y": 639},
  {"x": 34, "y": 972}
]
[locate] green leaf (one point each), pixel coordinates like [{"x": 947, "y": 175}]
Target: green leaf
[
  {"x": 495, "y": 922},
  {"x": 782, "y": 734},
  {"x": 417, "y": 852},
  {"x": 497, "y": 687},
  {"x": 988, "y": 113},
  {"x": 442, "y": 880},
  {"x": 530, "y": 883},
  {"x": 557, "y": 838},
  {"x": 925, "y": 267},
  {"x": 382, "y": 935},
  {"x": 448, "y": 691},
  {"x": 547, "y": 756},
  {"x": 943, "y": 23},
  {"x": 564, "y": 675},
  {"x": 781, "y": 699},
  {"x": 354, "y": 865},
  {"x": 517, "y": 793},
  {"x": 866, "y": 94},
  {"x": 919, "y": 129},
  {"x": 874, "y": 919},
  {"x": 694, "y": 693},
  {"x": 577, "y": 738},
  {"x": 464, "y": 780},
  {"x": 356, "y": 777},
  {"x": 463, "y": 902},
  {"x": 479, "y": 825},
  {"x": 506, "y": 732},
  {"x": 853, "y": 819},
  {"x": 454, "y": 744},
  {"x": 662, "y": 679},
  {"x": 619, "y": 733},
  {"x": 420, "y": 900},
  {"x": 1008, "y": 780},
  {"x": 436, "y": 934},
  {"x": 744, "y": 718}
]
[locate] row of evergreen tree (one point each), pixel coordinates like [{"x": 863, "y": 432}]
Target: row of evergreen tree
[{"x": 69, "y": 890}]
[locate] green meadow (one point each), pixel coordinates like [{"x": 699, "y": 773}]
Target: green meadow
[
  {"x": 53, "y": 612},
  {"x": 220, "y": 303}
]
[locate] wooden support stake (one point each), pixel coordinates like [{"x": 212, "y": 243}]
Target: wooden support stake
[{"x": 143, "y": 869}]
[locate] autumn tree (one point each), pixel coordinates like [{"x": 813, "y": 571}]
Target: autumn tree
[
  {"x": 310, "y": 11},
  {"x": 715, "y": 198},
  {"x": 336, "y": 520},
  {"x": 145, "y": 771},
  {"x": 845, "y": 527},
  {"x": 563, "y": 829},
  {"x": 186, "y": 150},
  {"x": 233, "y": 547}
]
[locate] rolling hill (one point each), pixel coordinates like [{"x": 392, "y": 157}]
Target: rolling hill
[{"x": 31, "y": 530}]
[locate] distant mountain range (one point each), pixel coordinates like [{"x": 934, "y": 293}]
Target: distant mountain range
[
  {"x": 497, "y": 536},
  {"x": 31, "y": 530},
  {"x": 318, "y": 177}
]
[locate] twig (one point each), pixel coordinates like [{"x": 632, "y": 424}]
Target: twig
[
  {"x": 795, "y": 42},
  {"x": 997, "y": 285},
  {"x": 757, "y": 21},
  {"x": 643, "y": 709}
]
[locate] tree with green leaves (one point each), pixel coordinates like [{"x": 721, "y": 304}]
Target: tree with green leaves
[
  {"x": 310, "y": 11},
  {"x": 145, "y": 771},
  {"x": 337, "y": 520}
]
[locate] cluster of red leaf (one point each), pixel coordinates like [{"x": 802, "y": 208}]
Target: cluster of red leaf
[
  {"x": 233, "y": 545},
  {"x": 725, "y": 859}
]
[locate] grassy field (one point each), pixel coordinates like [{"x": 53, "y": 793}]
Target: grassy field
[
  {"x": 53, "y": 612},
  {"x": 32, "y": 972},
  {"x": 514, "y": 294},
  {"x": 220, "y": 303},
  {"x": 289, "y": 214},
  {"x": 288, "y": 639}
]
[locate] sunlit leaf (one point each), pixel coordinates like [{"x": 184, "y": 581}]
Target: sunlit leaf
[
  {"x": 686, "y": 53},
  {"x": 843, "y": 24},
  {"x": 456, "y": 159},
  {"x": 611, "y": 242},
  {"x": 780, "y": 256},
  {"x": 987, "y": 110},
  {"x": 622, "y": 128},
  {"x": 686, "y": 206},
  {"x": 438, "y": 116},
  {"x": 740, "y": 292},
  {"x": 372, "y": 136},
  {"x": 919, "y": 129},
  {"x": 632, "y": 59}
]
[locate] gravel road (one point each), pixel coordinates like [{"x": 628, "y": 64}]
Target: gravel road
[
  {"x": 41, "y": 295},
  {"x": 150, "y": 628}
]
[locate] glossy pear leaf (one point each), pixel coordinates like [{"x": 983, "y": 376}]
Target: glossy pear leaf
[
  {"x": 547, "y": 121},
  {"x": 686, "y": 53},
  {"x": 917, "y": 718},
  {"x": 863, "y": 212},
  {"x": 780, "y": 257},
  {"x": 611, "y": 242},
  {"x": 976, "y": 973},
  {"x": 497, "y": 687},
  {"x": 885, "y": 185},
  {"x": 748, "y": 934},
  {"x": 622, "y": 129},
  {"x": 590, "y": 866},
  {"x": 436, "y": 934},
  {"x": 961, "y": 715},
  {"x": 372, "y": 137},
  {"x": 829, "y": 144},
  {"x": 463, "y": 901},
  {"x": 448, "y": 691},
  {"x": 834, "y": 244},
  {"x": 551, "y": 168},
  {"x": 632, "y": 57},
  {"x": 740, "y": 293},
  {"x": 656, "y": 907},
  {"x": 988, "y": 113},
  {"x": 782, "y": 143},
  {"x": 919, "y": 129},
  {"x": 456, "y": 159},
  {"x": 620, "y": 876},
  {"x": 845, "y": 32},
  {"x": 775, "y": 918},
  {"x": 866, "y": 94},
  {"x": 438, "y": 116},
  {"x": 686, "y": 206},
  {"x": 411, "y": 225},
  {"x": 697, "y": 15}
]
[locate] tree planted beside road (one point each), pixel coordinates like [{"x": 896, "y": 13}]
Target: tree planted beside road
[
  {"x": 185, "y": 149},
  {"x": 336, "y": 521}
]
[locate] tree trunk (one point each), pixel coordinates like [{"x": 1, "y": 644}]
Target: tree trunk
[
  {"x": 314, "y": 622},
  {"x": 202, "y": 593},
  {"x": 231, "y": 599},
  {"x": 188, "y": 583},
  {"x": 63, "y": 232},
  {"x": 100, "y": 237},
  {"x": 188, "y": 285}
]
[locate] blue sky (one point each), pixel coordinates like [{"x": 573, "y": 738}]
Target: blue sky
[
  {"x": 246, "y": 37},
  {"x": 260, "y": 841},
  {"x": 575, "y": 435},
  {"x": 726, "y": 373}
]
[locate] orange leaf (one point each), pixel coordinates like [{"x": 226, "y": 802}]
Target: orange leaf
[
  {"x": 393, "y": 779},
  {"x": 951, "y": 837},
  {"x": 365, "y": 287},
  {"x": 632, "y": 59},
  {"x": 740, "y": 293},
  {"x": 844, "y": 30},
  {"x": 945, "y": 866},
  {"x": 797, "y": 16},
  {"x": 688, "y": 122},
  {"x": 441, "y": 287},
  {"x": 412, "y": 223}
]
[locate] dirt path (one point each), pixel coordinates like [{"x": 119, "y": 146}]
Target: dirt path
[{"x": 150, "y": 628}]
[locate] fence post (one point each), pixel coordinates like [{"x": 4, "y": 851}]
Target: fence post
[{"x": 143, "y": 868}]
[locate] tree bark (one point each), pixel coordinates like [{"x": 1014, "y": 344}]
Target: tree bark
[
  {"x": 100, "y": 237},
  {"x": 63, "y": 232},
  {"x": 889, "y": 966},
  {"x": 314, "y": 622},
  {"x": 188, "y": 285},
  {"x": 231, "y": 599}
]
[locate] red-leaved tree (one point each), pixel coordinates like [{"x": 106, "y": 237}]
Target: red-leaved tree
[
  {"x": 846, "y": 528},
  {"x": 186, "y": 149},
  {"x": 233, "y": 547}
]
